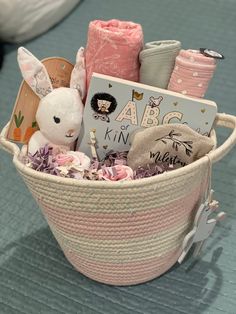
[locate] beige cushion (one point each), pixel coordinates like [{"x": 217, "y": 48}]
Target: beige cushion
[
  {"x": 21, "y": 20},
  {"x": 175, "y": 144}
]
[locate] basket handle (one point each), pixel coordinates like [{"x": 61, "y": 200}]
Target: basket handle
[
  {"x": 8, "y": 146},
  {"x": 227, "y": 121},
  {"x": 222, "y": 119}
]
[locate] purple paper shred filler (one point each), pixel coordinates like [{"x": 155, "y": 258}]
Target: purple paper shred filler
[{"x": 44, "y": 161}]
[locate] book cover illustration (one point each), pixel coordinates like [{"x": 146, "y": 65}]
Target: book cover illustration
[{"x": 115, "y": 108}]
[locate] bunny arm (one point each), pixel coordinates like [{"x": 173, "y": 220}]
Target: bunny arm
[{"x": 37, "y": 141}]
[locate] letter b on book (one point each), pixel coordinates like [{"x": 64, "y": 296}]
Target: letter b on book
[{"x": 150, "y": 117}]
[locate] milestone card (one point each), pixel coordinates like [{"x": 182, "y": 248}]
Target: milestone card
[{"x": 115, "y": 108}]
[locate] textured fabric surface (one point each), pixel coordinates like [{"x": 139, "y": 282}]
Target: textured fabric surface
[
  {"x": 113, "y": 49},
  {"x": 23, "y": 22},
  {"x": 157, "y": 61},
  {"x": 113, "y": 236},
  {"x": 35, "y": 277},
  {"x": 178, "y": 145},
  {"x": 192, "y": 73}
]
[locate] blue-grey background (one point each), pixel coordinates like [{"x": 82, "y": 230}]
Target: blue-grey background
[{"x": 34, "y": 275}]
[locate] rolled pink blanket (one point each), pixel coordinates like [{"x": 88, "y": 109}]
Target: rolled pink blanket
[
  {"x": 192, "y": 73},
  {"x": 113, "y": 49}
]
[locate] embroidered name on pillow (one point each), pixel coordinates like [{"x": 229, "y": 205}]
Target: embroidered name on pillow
[{"x": 176, "y": 144}]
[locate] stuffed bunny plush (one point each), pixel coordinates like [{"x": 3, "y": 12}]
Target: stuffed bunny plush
[{"x": 60, "y": 110}]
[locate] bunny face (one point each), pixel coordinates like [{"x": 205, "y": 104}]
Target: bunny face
[{"x": 59, "y": 116}]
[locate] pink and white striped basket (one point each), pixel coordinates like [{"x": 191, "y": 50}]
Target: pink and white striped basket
[{"x": 122, "y": 233}]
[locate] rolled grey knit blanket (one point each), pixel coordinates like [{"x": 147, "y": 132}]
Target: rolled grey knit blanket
[{"x": 157, "y": 61}]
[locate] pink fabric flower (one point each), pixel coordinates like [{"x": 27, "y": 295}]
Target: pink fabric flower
[
  {"x": 116, "y": 173},
  {"x": 72, "y": 158},
  {"x": 63, "y": 159}
]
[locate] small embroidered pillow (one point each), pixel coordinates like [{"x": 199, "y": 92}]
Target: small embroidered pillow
[{"x": 175, "y": 144}]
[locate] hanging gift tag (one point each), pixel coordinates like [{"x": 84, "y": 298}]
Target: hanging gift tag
[
  {"x": 202, "y": 228},
  {"x": 211, "y": 53}
]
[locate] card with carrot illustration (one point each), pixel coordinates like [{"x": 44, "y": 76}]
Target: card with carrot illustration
[
  {"x": 23, "y": 122},
  {"x": 18, "y": 119}
]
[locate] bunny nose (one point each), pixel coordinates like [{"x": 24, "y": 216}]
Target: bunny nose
[{"x": 70, "y": 132}]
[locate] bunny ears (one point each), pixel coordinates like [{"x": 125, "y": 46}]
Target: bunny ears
[
  {"x": 34, "y": 72},
  {"x": 78, "y": 74},
  {"x": 36, "y": 75}
]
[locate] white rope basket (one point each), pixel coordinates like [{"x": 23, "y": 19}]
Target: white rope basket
[{"x": 127, "y": 232}]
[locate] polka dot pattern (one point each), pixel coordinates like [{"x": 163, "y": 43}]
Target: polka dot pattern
[{"x": 192, "y": 73}]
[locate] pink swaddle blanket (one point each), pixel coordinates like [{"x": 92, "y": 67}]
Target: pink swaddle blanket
[
  {"x": 192, "y": 73},
  {"x": 113, "y": 49}
]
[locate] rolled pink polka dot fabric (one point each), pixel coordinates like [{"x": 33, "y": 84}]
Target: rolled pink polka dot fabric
[
  {"x": 113, "y": 48},
  {"x": 192, "y": 73}
]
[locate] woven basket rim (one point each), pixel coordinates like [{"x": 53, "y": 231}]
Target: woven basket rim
[
  {"x": 116, "y": 184},
  {"x": 216, "y": 154},
  {"x": 111, "y": 184}
]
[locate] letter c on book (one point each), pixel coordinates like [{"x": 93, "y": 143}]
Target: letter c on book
[{"x": 171, "y": 115}]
